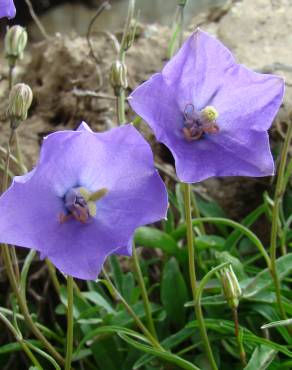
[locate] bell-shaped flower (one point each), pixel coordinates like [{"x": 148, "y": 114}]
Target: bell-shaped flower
[
  {"x": 85, "y": 198},
  {"x": 7, "y": 9},
  {"x": 212, "y": 113}
]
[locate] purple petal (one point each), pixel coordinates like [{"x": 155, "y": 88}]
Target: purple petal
[
  {"x": 203, "y": 73},
  {"x": 7, "y": 9},
  {"x": 120, "y": 160}
]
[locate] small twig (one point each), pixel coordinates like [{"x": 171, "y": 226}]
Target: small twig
[
  {"x": 105, "y": 5},
  {"x": 36, "y": 19},
  {"x": 275, "y": 67},
  {"x": 91, "y": 94}
]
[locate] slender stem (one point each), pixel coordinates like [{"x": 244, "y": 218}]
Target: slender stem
[
  {"x": 144, "y": 294},
  {"x": 19, "y": 339},
  {"x": 69, "y": 350},
  {"x": 192, "y": 272},
  {"x": 53, "y": 275},
  {"x": 10, "y": 75},
  {"x": 7, "y": 162},
  {"x": 121, "y": 107},
  {"x": 18, "y": 151},
  {"x": 116, "y": 295},
  {"x": 36, "y": 19},
  {"x": 23, "y": 306},
  {"x": 196, "y": 212},
  {"x": 280, "y": 188},
  {"x": 242, "y": 354},
  {"x": 121, "y": 96},
  {"x": 181, "y": 23}
]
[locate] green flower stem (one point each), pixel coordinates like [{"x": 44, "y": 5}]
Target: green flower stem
[
  {"x": 20, "y": 340},
  {"x": 69, "y": 350},
  {"x": 280, "y": 188},
  {"x": 10, "y": 75},
  {"x": 181, "y": 6},
  {"x": 53, "y": 276},
  {"x": 116, "y": 295},
  {"x": 196, "y": 213},
  {"x": 180, "y": 232},
  {"x": 23, "y": 306},
  {"x": 144, "y": 294},
  {"x": 121, "y": 104},
  {"x": 242, "y": 354},
  {"x": 192, "y": 272},
  {"x": 18, "y": 152}
]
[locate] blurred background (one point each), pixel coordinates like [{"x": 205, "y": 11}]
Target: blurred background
[{"x": 63, "y": 16}]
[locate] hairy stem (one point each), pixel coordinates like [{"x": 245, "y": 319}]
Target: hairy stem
[
  {"x": 69, "y": 347},
  {"x": 192, "y": 272},
  {"x": 280, "y": 188}
]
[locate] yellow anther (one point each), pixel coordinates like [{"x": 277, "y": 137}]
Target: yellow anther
[
  {"x": 98, "y": 194},
  {"x": 209, "y": 113}
]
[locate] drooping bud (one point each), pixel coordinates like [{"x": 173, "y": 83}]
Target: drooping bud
[
  {"x": 118, "y": 76},
  {"x": 15, "y": 42},
  {"x": 20, "y": 99},
  {"x": 209, "y": 113},
  {"x": 230, "y": 286}
]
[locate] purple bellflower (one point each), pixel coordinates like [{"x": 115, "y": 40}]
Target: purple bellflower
[
  {"x": 212, "y": 113},
  {"x": 7, "y": 9},
  {"x": 85, "y": 198}
]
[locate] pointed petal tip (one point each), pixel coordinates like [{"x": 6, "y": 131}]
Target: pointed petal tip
[{"x": 84, "y": 127}]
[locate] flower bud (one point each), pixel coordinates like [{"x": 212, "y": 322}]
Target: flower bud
[
  {"x": 20, "y": 99},
  {"x": 15, "y": 42},
  {"x": 182, "y": 2},
  {"x": 118, "y": 76},
  {"x": 230, "y": 286}
]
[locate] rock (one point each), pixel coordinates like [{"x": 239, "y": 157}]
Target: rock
[{"x": 259, "y": 35}]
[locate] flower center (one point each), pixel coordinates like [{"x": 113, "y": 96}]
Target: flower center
[
  {"x": 80, "y": 204},
  {"x": 198, "y": 123}
]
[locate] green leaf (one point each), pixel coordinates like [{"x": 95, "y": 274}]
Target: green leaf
[
  {"x": 277, "y": 323},
  {"x": 226, "y": 327},
  {"x": 235, "y": 262},
  {"x": 98, "y": 299},
  {"x": 116, "y": 272},
  {"x": 154, "y": 238},
  {"x": 261, "y": 358},
  {"x": 269, "y": 313},
  {"x": 42, "y": 353},
  {"x": 174, "y": 292},
  {"x": 106, "y": 354},
  {"x": 10, "y": 347},
  {"x": 128, "y": 287},
  {"x": 210, "y": 242},
  {"x": 164, "y": 355},
  {"x": 235, "y": 236},
  {"x": 123, "y": 318},
  {"x": 79, "y": 304},
  {"x": 105, "y": 330},
  {"x": 263, "y": 279},
  {"x": 212, "y": 209},
  {"x": 168, "y": 343}
]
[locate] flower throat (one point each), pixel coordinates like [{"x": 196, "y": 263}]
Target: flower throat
[{"x": 198, "y": 123}]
